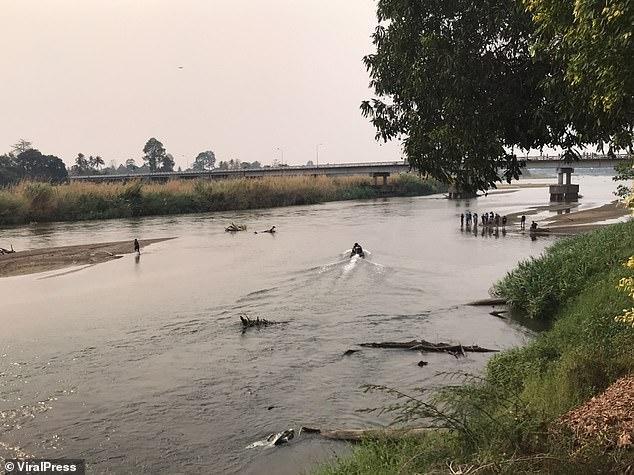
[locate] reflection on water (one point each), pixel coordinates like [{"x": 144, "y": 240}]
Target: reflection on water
[{"x": 140, "y": 362}]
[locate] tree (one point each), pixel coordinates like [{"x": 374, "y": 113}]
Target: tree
[
  {"x": 590, "y": 44},
  {"x": 223, "y": 165},
  {"x": 10, "y": 173},
  {"x": 624, "y": 172},
  {"x": 234, "y": 164},
  {"x": 131, "y": 165},
  {"x": 40, "y": 167},
  {"x": 82, "y": 165},
  {"x": 463, "y": 84},
  {"x": 21, "y": 146},
  {"x": 204, "y": 161},
  {"x": 154, "y": 154},
  {"x": 167, "y": 164},
  {"x": 96, "y": 162}
]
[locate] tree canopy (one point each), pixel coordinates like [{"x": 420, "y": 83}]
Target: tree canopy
[
  {"x": 33, "y": 165},
  {"x": 204, "y": 161},
  {"x": 155, "y": 154},
  {"x": 87, "y": 166},
  {"x": 464, "y": 84}
]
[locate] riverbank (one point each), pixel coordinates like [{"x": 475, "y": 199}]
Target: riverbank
[
  {"x": 48, "y": 259},
  {"x": 513, "y": 419},
  {"x": 568, "y": 221},
  {"x": 39, "y": 202}
]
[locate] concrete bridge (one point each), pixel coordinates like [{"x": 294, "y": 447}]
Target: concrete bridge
[{"x": 376, "y": 170}]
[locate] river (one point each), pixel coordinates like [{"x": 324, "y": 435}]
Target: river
[{"x": 140, "y": 365}]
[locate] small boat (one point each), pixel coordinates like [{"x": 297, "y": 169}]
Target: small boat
[{"x": 357, "y": 252}]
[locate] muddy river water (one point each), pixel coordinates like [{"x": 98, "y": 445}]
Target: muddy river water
[{"x": 140, "y": 366}]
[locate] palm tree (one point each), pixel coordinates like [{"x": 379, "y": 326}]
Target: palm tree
[{"x": 96, "y": 162}]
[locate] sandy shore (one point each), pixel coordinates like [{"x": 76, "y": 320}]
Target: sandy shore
[
  {"x": 42, "y": 260},
  {"x": 570, "y": 221}
]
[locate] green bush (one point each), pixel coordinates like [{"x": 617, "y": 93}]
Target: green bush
[{"x": 539, "y": 285}]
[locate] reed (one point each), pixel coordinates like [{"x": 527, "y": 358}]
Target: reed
[{"x": 32, "y": 201}]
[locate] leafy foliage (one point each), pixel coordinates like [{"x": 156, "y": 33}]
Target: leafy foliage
[
  {"x": 156, "y": 156},
  {"x": 624, "y": 171},
  {"x": 464, "y": 83},
  {"x": 204, "y": 161},
  {"x": 590, "y": 44},
  {"x": 626, "y": 284}
]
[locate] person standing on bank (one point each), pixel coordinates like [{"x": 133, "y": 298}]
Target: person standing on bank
[{"x": 137, "y": 247}]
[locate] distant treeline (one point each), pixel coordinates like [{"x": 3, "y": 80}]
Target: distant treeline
[
  {"x": 24, "y": 162},
  {"x": 38, "y": 202}
]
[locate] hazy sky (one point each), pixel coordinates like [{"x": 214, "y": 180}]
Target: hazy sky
[{"x": 102, "y": 76}]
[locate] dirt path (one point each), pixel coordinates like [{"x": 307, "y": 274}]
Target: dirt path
[{"x": 41, "y": 260}]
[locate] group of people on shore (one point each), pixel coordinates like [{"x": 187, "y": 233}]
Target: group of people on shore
[{"x": 491, "y": 220}]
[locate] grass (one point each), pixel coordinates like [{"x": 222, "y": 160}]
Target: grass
[
  {"x": 505, "y": 421},
  {"x": 39, "y": 202},
  {"x": 539, "y": 286}
]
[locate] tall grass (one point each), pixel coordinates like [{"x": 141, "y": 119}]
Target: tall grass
[
  {"x": 31, "y": 201},
  {"x": 539, "y": 285},
  {"x": 505, "y": 421}
]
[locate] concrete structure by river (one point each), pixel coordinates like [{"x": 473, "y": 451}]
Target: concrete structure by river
[{"x": 380, "y": 171}]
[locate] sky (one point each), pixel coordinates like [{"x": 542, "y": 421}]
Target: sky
[{"x": 260, "y": 79}]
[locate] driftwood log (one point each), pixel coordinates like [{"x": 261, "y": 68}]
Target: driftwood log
[
  {"x": 499, "y": 314},
  {"x": 486, "y": 302},
  {"x": 257, "y": 323},
  {"x": 234, "y": 228},
  {"x": 6, "y": 251},
  {"x": 428, "y": 347}
]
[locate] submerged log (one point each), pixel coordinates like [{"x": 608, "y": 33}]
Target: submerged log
[
  {"x": 428, "y": 347},
  {"x": 357, "y": 435},
  {"x": 487, "y": 302},
  {"x": 6, "y": 251},
  {"x": 499, "y": 314}
]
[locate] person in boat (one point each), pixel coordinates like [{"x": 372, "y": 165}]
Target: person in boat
[
  {"x": 137, "y": 247},
  {"x": 357, "y": 250}
]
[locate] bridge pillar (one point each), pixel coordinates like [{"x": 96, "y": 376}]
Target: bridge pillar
[
  {"x": 564, "y": 191},
  {"x": 376, "y": 175}
]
